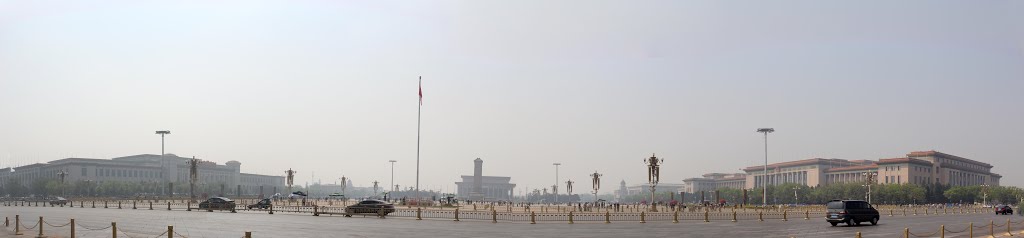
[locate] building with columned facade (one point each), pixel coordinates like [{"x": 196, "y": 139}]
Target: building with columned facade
[
  {"x": 919, "y": 167},
  {"x": 165, "y": 171}
]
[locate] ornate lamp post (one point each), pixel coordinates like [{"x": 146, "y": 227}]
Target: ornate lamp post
[
  {"x": 870, "y": 180},
  {"x": 596, "y": 178},
  {"x": 290, "y": 179},
  {"x": 344, "y": 183},
  {"x": 375, "y": 188},
  {"x": 62, "y": 174},
  {"x": 193, "y": 170},
  {"x": 653, "y": 169}
]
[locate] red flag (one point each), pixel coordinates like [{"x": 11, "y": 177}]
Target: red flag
[{"x": 421, "y": 90}]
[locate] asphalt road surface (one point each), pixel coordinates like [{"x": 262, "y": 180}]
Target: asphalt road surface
[{"x": 150, "y": 223}]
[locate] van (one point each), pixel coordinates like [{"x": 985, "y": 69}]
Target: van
[{"x": 850, "y": 212}]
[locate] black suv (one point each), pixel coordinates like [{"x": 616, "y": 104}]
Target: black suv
[{"x": 850, "y": 212}]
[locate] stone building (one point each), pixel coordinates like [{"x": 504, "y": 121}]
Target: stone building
[
  {"x": 147, "y": 168},
  {"x": 715, "y": 181},
  {"x": 484, "y": 188},
  {"x": 919, "y": 167}
]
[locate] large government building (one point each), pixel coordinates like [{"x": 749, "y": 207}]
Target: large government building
[
  {"x": 165, "y": 169},
  {"x": 920, "y": 167},
  {"x": 484, "y": 188}
]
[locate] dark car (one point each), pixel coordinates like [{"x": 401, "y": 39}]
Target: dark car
[
  {"x": 850, "y": 212},
  {"x": 262, "y": 204},
  {"x": 1004, "y": 210},
  {"x": 217, "y": 203},
  {"x": 370, "y": 206},
  {"x": 58, "y": 201}
]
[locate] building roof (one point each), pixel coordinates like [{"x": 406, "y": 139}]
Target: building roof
[
  {"x": 698, "y": 179},
  {"x": 486, "y": 179},
  {"x": 946, "y": 156},
  {"x": 905, "y": 161},
  {"x": 853, "y": 168},
  {"x": 799, "y": 163},
  {"x": 248, "y": 174}
]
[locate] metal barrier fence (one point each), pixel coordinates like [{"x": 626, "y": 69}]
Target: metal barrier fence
[
  {"x": 524, "y": 214},
  {"x": 20, "y": 228},
  {"x": 989, "y": 230},
  {"x": 554, "y": 215}
]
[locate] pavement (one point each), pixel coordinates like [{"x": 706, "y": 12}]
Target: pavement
[{"x": 151, "y": 223}]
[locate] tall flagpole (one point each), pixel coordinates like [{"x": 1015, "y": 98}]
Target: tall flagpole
[{"x": 419, "y": 111}]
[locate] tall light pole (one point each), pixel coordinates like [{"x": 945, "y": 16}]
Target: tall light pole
[
  {"x": 764, "y": 180},
  {"x": 164, "y": 174},
  {"x": 393, "y": 172},
  {"x": 554, "y": 188}
]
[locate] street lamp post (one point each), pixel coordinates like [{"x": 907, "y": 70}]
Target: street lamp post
[
  {"x": 62, "y": 173},
  {"x": 596, "y": 179},
  {"x": 796, "y": 198},
  {"x": 344, "y": 183},
  {"x": 764, "y": 177},
  {"x": 193, "y": 169},
  {"x": 870, "y": 180},
  {"x": 290, "y": 179},
  {"x": 163, "y": 173},
  {"x": 375, "y": 188},
  {"x": 653, "y": 175},
  {"x": 554, "y": 188},
  {"x": 393, "y": 172},
  {"x": 984, "y": 194}
]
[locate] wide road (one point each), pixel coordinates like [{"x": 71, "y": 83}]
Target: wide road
[{"x": 150, "y": 223}]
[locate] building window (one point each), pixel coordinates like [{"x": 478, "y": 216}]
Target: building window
[{"x": 84, "y": 171}]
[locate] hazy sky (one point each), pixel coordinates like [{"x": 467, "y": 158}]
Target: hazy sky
[{"x": 329, "y": 87}]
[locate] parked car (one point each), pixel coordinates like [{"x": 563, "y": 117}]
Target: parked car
[
  {"x": 57, "y": 201},
  {"x": 217, "y": 203},
  {"x": 850, "y": 212},
  {"x": 262, "y": 204},
  {"x": 370, "y": 206},
  {"x": 1004, "y": 210}
]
